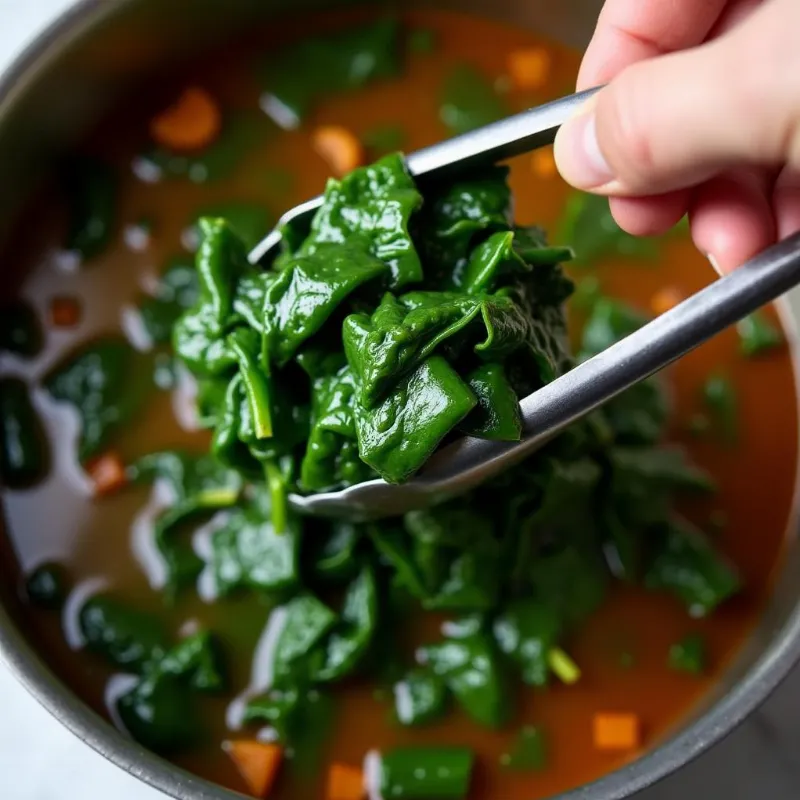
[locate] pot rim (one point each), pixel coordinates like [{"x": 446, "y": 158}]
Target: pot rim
[{"x": 59, "y": 700}]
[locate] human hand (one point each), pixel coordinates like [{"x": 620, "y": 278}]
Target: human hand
[{"x": 701, "y": 115}]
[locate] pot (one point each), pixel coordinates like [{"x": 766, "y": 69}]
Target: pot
[{"x": 53, "y": 92}]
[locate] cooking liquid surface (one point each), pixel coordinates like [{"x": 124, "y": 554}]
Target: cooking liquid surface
[{"x": 622, "y": 650}]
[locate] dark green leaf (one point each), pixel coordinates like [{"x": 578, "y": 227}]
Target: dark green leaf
[
  {"x": 370, "y": 210},
  {"x": 309, "y": 290},
  {"x": 384, "y": 138},
  {"x": 47, "y": 586},
  {"x": 719, "y": 396},
  {"x": 684, "y": 563},
  {"x": 20, "y": 330},
  {"x": 128, "y": 639},
  {"x": 198, "y": 660},
  {"x": 419, "y": 698},
  {"x": 321, "y": 66},
  {"x": 412, "y": 773},
  {"x": 757, "y": 334},
  {"x": 398, "y": 436},
  {"x": 593, "y": 233},
  {"x": 468, "y": 100},
  {"x": 176, "y": 292},
  {"x": 497, "y": 415},
  {"x": 469, "y": 664},
  {"x": 251, "y": 222},
  {"x": 689, "y": 654},
  {"x": 90, "y": 189},
  {"x": 106, "y": 381},
  {"x": 24, "y": 449},
  {"x": 241, "y": 133},
  {"x": 526, "y": 631},
  {"x": 529, "y": 751}
]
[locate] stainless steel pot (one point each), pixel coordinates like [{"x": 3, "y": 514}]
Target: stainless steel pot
[{"x": 57, "y": 88}]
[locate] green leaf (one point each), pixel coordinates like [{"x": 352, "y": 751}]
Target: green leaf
[
  {"x": 241, "y": 133},
  {"x": 721, "y": 401},
  {"x": 419, "y": 698},
  {"x": 529, "y": 751},
  {"x": 468, "y": 100},
  {"x": 526, "y": 631},
  {"x": 321, "y": 66},
  {"x": 247, "y": 552},
  {"x": 685, "y": 564},
  {"x": 398, "y": 436},
  {"x": 421, "y": 41},
  {"x": 594, "y": 235},
  {"x": 349, "y": 641},
  {"x": 126, "y": 638},
  {"x": 497, "y": 415},
  {"x": 24, "y": 449},
  {"x": 470, "y": 667},
  {"x": 610, "y": 322},
  {"x": 307, "y": 621},
  {"x": 159, "y": 714},
  {"x": 90, "y": 188},
  {"x": 107, "y": 382},
  {"x": 384, "y": 138},
  {"x": 456, "y": 214},
  {"x": 402, "y": 334},
  {"x": 176, "y": 292},
  {"x": 20, "y": 330},
  {"x": 334, "y": 555},
  {"x": 689, "y": 654},
  {"x": 251, "y": 222},
  {"x": 308, "y": 291},
  {"x": 370, "y": 209},
  {"x": 198, "y": 660},
  {"x": 757, "y": 335},
  {"x": 331, "y": 457}
]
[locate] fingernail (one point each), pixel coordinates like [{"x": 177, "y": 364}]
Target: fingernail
[
  {"x": 578, "y": 156},
  {"x": 714, "y": 263}
]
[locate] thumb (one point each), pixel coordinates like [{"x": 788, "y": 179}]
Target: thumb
[{"x": 673, "y": 121}]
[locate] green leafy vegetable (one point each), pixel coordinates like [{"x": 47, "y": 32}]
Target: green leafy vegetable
[
  {"x": 426, "y": 773},
  {"x": 106, "y": 381},
  {"x": 176, "y": 292},
  {"x": 419, "y": 698},
  {"x": 384, "y": 139},
  {"x": 593, "y": 233},
  {"x": 24, "y": 450},
  {"x": 685, "y": 564},
  {"x": 320, "y": 66},
  {"x": 527, "y": 632},
  {"x": 20, "y": 330},
  {"x": 240, "y": 134},
  {"x": 529, "y": 751},
  {"x": 719, "y": 397},
  {"x": 470, "y": 666},
  {"x": 422, "y": 41},
  {"x": 47, "y": 586},
  {"x": 250, "y": 221},
  {"x": 757, "y": 334},
  {"x": 90, "y": 189},
  {"x": 689, "y": 655},
  {"x": 468, "y": 100}
]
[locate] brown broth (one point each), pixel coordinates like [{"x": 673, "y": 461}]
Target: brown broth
[{"x": 96, "y": 539}]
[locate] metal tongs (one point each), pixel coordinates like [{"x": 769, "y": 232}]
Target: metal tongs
[{"x": 467, "y": 462}]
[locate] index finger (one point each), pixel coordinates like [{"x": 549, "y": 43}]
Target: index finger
[{"x": 632, "y": 30}]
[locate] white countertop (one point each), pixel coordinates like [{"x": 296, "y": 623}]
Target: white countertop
[{"x": 41, "y": 760}]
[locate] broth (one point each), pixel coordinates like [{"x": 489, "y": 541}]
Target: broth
[{"x": 107, "y": 540}]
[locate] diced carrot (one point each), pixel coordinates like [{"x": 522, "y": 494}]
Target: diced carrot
[
  {"x": 345, "y": 783},
  {"x": 65, "y": 312},
  {"x": 191, "y": 123},
  {"x": 107, "y": 474},
  {"x": 257, "y": 762},
  {"x": 339, "y": 147},
  {"x": 665, "y": 299},
  {"x": 616, "y": 731},
  {"x": 543, "y": 163},
  {"x": 529, "y": 68}
]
